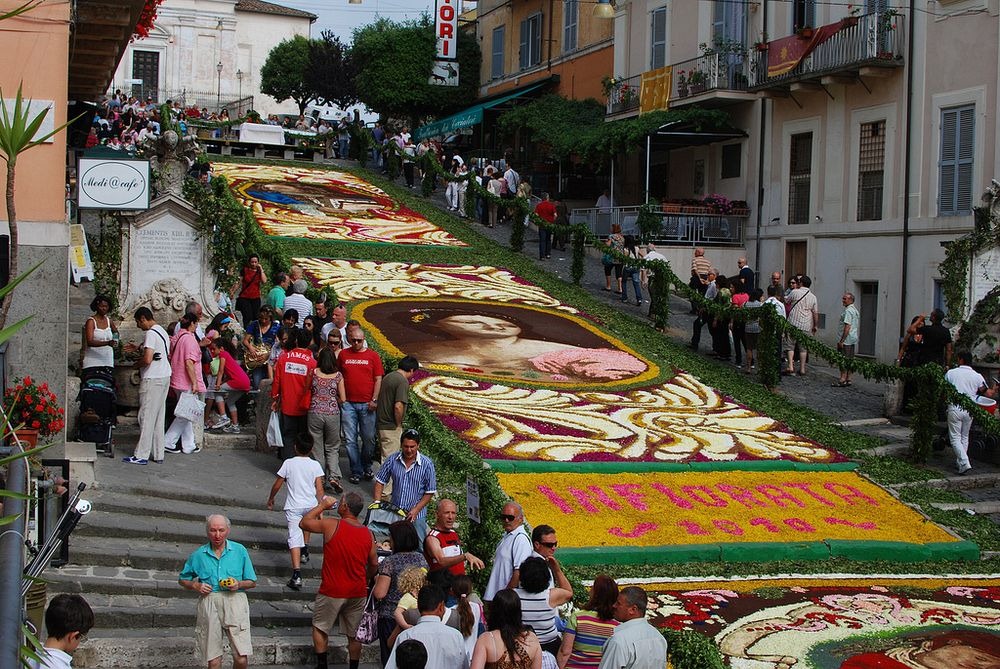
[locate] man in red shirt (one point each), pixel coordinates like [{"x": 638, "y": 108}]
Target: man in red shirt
[
  {"x": 252, "y": 277},
  {"x": 362, "y": 370},
  {"x": 349, "y": 559},
  {"x": 291, "y": 392},
  {"x": 443, "y": 547},
  {"x": 546, "y": 210}
]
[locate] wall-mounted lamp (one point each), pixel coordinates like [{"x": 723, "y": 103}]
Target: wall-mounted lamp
[
  {"x": 354, "y": 2},
  {"x": 604, "y": 9},
  {"x": 819, "y": 219}
]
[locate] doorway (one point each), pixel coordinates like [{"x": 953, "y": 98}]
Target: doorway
[
  {"x": 795, "y": 259},
  {"x": 867, "y": 298}
]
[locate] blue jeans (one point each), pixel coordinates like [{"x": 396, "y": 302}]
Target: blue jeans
[
  {"x": 343, "y": 147},
  {"x": 355, "y": 416},
  {"x": 632, "y": 275}
]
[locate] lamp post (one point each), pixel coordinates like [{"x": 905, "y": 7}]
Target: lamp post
[
  {"x": 218, "y": 89},
  {"x": 239, "y": 102}
]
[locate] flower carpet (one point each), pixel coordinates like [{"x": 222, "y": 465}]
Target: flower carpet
[
  {"x": 325, "y": 204},
  {"x": 675, "y": 517},
  {"x": 839, "y": 621},
  {"x": 632, "y": 460}
]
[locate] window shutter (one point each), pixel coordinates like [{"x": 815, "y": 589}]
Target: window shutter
[
  {"x": 956, "y": 163},
  {"x": 523, "y": 53},
  {"x": 498, "y": 44},
  {"x": 965, "y": 152},
  {"x": 658, "y": 39},
  {"x": 536, "y": 41}
]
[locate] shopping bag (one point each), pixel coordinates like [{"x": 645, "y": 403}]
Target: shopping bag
[
  {"x": 190, "y": 407},
  {"x": 368, "y": 627},
  {"x": 274, "y": 431}
]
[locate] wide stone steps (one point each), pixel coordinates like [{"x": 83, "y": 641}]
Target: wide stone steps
[
  {"x": 170, "y": 556},
  {"x": 173, "y": 648}
]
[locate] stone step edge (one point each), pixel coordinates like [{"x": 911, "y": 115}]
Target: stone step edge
[
  {"x": 172, "y": 495},
  {"x": 162, "y": 508}
]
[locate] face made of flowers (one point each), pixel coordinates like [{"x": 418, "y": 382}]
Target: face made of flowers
[{"x": 478, "y": 326}]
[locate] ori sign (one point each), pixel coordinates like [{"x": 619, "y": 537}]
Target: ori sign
[
  {"x": 446, "y": 28},
  {"x": 113, "y": 184}
]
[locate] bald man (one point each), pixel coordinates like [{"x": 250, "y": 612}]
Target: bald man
[
  {"x": 513, "y": 549},
  {"x": 443, "y": 547}
]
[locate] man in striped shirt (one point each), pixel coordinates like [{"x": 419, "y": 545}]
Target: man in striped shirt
[{"x": 414, "y": 481}]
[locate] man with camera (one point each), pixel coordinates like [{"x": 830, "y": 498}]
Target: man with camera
[{"x": 154, "y": 366}]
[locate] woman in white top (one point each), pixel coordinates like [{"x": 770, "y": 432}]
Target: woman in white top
[
  {"x": 99, "y": 334},
  {"x": 539, "y": 600},
  {"x": 466, "y": 612}
]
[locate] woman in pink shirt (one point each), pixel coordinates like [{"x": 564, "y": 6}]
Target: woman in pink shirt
[
  {"x": 231, "y": 383},
  {"x": 185, "y": 376}
]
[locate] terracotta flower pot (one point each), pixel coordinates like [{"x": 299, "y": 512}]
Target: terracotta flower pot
[{"x": 29, "y": 438}]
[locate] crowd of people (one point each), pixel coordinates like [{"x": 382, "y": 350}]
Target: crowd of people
[{"x": 425, "y": 612}]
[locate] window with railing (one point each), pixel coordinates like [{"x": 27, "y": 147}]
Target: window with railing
[
  {"x": 871, "y": 170},
  {"x": 958, "y": 126},
  {"x": 800, "y": 179},
  {"x": 571, "y": 18}
]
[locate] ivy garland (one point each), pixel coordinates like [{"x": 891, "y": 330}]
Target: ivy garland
[
  {"x": 955, "y": 268},
  {"x": 106, "y": 254}
]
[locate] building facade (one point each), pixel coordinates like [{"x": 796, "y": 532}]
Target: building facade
[
  {"x": 209, "y": 53},
  {"x": 864, "y": 150}
]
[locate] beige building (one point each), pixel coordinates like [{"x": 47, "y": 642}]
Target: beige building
[
  {"x": 849, "y": 118},
  {"x": 209, "y": 53}
]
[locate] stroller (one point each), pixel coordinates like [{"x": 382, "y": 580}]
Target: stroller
[
  {"x": 98, "y": 414},
  {"x": 379, "y": 517}
]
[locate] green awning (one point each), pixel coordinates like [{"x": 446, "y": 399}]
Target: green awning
[{"x": 470, "y": 117}]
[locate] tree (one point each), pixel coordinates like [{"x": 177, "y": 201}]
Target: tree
[
  {"x": 330, "y": 74},
  {"x": 284, "y": 73},
  {"x": 394, "y": 62}
]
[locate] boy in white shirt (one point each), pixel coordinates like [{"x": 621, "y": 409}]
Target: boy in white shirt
[
  {"x": 305, "y": 490},
  {"x": 67, "y": 619}
]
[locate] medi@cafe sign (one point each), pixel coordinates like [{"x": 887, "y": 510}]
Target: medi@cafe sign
[{"x": 113, "y": 184}]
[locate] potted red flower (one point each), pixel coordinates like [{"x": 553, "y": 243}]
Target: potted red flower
[{"x": 32, "y": 411}]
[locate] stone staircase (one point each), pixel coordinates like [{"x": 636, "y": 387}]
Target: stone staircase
[{"x": 126, "y": 554}]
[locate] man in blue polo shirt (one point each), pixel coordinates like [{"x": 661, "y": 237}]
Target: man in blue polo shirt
[
  {"x": 220, "y": 572},
  {"x": 414, "y": 481}
]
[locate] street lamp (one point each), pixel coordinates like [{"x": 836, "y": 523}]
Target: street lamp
[
  {"x": 239, "y": 102},
  {"x": 218, "y": 90}
]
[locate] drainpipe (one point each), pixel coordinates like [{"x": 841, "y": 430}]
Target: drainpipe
[
  {"x": 904, "y": 265},
  {"x": 551, "y": 21},
  {"x": 761, "y": 136},
  {"x": 12, "y": 564}
]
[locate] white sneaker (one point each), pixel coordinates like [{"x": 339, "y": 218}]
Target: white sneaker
[
  {"x": 231, "y": 429},
  {"x": 220, "y": 422}
]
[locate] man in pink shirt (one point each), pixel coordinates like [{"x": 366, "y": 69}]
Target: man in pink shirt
[{"x": 185, "y": 376}]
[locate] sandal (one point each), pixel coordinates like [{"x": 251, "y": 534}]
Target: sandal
[
  {"x": 335, "y": 486},
  {"x": 840, "y": 384}
]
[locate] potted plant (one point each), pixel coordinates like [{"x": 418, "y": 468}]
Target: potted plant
[
  {"x": 762, "y": 44},
  {"x": 804, "y": 32},
  {"x": 697, "y": 81},
  {"x": 682, "y": 84},
  {"x": 33, "y": 411},
  {"x": 851, "y": 19}
]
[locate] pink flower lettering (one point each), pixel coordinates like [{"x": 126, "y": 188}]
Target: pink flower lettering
[
  {"x": 558, "y": 501},
  {"x": 692, "y": 527},
  {"x": 627, "y": 492},
  {"x": 765, "y": 523},
  {"x": 637, "y": 531}
]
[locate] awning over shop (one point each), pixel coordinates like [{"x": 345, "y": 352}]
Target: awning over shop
[
  {"x": 679, "y": 134},
  {"x": 471, "y": 116}
]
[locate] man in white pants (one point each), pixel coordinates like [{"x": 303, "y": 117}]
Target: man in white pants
[
  {"x": 970, "y": 383},
  {"x": 154, "y": 366}
]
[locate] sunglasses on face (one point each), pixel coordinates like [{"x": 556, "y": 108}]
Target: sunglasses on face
[
  {"x": 506, "y": 517},
  {"x": 356, "y": 341},
  {"x": 410, "y": 433},
  {"x": 549, "y": 544}
]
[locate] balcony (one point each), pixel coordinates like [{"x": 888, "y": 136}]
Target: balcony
[
  {"x": 677, "y": 228},
  {"x": 623, "y": 96},
  {"x": 716, "y": 73},
  {"x": 862, "y": 45}
]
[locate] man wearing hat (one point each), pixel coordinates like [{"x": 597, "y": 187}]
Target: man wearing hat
[{"x": 298, "y": 301}]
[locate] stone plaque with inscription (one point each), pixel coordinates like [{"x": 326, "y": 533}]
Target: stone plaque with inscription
[
  {"x": 164, "y": 263},
  {"x": 985, "y": 274}
]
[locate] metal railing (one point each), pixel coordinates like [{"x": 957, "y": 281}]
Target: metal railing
[
  {"x": 624, "y": 95},
  {"x": 875, "y": 38},
  {"x": 712, "y": 71},
  {"x": 675, "y": 229}
]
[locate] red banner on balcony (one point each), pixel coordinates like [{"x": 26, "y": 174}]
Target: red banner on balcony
[{"x": 784, "y": 54}]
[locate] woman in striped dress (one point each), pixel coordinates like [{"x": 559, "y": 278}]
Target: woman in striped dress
[{"x": 589, "y": 629}]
